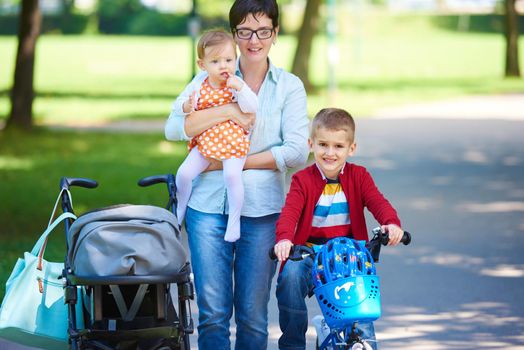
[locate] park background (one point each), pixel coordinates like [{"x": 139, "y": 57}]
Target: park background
[{"x": 103, "y": 65}]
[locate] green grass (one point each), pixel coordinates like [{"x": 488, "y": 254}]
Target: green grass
[
  {"x": 31, "y": 166},
  {"x": 383, "y": 61}
]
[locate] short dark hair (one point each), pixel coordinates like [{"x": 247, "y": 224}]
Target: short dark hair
[
  {"x": 242, "y": 8},
  {"x": 334, "y": 119}
]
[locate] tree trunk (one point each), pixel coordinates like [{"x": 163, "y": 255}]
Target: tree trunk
[
  {"x": 305, "y": 40},
  {"x": 22, "y": 93},
  {"x": 512, "y": 40}
]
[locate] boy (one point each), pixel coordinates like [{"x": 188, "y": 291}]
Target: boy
[{"x": 326, "y": 200}]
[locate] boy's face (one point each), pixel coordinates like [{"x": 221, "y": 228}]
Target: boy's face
[
  {"x": 219, "y": 62},
  {"x": 331, "y": 148}
]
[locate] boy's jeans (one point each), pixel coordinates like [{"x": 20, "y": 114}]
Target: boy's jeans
[
  {"x": 294, "y": 283},
  {"x": 231, "y": 274}
]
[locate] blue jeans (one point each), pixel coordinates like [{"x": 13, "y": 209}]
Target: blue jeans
[
  {"x": 231, "y": 275},
  {"x": 293, "y": 285}
]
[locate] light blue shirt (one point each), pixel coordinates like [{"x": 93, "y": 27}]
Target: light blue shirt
[{"x": 281, "y": 126}]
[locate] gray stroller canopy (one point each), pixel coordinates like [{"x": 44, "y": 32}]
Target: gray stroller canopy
[{"x": 133, "y": 240}]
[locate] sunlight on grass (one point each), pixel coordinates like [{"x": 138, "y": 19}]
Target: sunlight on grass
[
  {"x": 11, "y": 163},
  {"x": 77, "y": 110},
  {"x": 166, "y": 147}
]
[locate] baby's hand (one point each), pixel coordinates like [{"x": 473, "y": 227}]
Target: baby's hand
[
  {"x": 395, "y": 233},
  {"x": 189, "y": 105},
  {"x": 282, "y": 249},
  {"x": 234, "y": 82}
]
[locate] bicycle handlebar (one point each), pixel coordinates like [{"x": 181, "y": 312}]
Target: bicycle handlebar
[
  {"x": 301, "y": 252},
  {"x": 384, "y": 237},
  {"x": 379, "y": 239},
  {"x": 297, "y": 253}
]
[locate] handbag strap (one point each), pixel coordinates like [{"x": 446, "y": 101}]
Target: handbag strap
[
  {"x": 58, "y": 201},
  {"x": 39, "y": 246}
]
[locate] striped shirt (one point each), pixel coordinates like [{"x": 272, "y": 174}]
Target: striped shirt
[{"x": 331, "y": 214}]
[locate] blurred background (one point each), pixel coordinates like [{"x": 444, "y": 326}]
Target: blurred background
[
  {"x": 100, "y": 61},
  {"x": 86, "y": 85}
]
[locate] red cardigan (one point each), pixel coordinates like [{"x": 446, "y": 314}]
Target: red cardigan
[{"x": 307, "y": 186}]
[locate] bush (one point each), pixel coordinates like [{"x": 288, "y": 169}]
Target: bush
[
  {"x": 491, "y": 23},
  {"x": 9, "y": 25},
  {"x": 65, "y": 24},
  {"x": 155, "y": 23},
  {"x": 149, "y": 22}
]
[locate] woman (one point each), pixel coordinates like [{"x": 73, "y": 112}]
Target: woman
[{"x": 239, "y": 274}]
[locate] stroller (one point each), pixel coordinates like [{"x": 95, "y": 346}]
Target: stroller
[{"x": 122, "y": 262}]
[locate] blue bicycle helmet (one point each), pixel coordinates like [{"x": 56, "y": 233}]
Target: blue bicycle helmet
[
  {"x": 346, "y": 285},
  {"x": 340, "y": 258}
]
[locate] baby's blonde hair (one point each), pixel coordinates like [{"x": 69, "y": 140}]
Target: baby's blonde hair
[{"x": 214, "y": 37}]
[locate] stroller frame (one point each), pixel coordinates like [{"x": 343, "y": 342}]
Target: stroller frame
[{"x": 123, "y": 322}]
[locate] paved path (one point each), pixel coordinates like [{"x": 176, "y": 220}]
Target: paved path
[{"x": 458, "y": 185}]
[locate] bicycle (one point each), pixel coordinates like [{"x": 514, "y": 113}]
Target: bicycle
[{"x": 347, "y": 291}]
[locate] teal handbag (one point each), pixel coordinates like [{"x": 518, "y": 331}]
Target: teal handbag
[{"x": 33, "y": 311}]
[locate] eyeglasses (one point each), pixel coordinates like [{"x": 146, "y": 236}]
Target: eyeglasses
[{"x": 247, "y": 34}]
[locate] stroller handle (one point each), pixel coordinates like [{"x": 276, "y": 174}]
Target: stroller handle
[
  {"x": 66, "y": 182},
  {"x": 155, "y": 179},
  {"x": 168, "y": 179}
]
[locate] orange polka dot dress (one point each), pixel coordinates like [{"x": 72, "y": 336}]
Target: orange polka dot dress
[{"x": 225, "y": 140}]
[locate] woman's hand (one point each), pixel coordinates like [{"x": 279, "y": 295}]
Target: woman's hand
[
  {"x": 213, "y": 164},
  {"x": 245, "y": 120},
  {"x": 282, "y": 249}
]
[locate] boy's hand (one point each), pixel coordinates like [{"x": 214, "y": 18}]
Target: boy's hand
[
  {"x": 395, "y": 233},
  {"x": 189, "y": 105},
  {"x": 234, "y": 82},
  {"x": 282, "y": 249}
]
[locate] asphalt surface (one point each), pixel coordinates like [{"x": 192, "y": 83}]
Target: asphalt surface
[{"x": 458, "y": 185}]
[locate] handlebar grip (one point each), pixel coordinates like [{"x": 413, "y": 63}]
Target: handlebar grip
[
  {"x": 66, "y": 182},
  {"x": 153, "y": 180},
  {"x": 272, "y": 254},
  {"x": 406, "y": 239},
  {"x": 296, "y": 253}
]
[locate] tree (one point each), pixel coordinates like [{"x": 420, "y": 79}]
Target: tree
[
  {"x": 305, "y": 40},
  {"x": 22, "y": 93},
  {"x": 512, "y": 39}
]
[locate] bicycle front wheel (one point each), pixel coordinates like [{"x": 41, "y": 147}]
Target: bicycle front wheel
[{"x": 363, "y": 345}]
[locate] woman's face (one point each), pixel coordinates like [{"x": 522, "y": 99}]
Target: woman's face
[{"x": 255, "y": 50}]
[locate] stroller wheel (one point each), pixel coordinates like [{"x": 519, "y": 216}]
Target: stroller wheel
[{"x": 170, "y": 345}]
